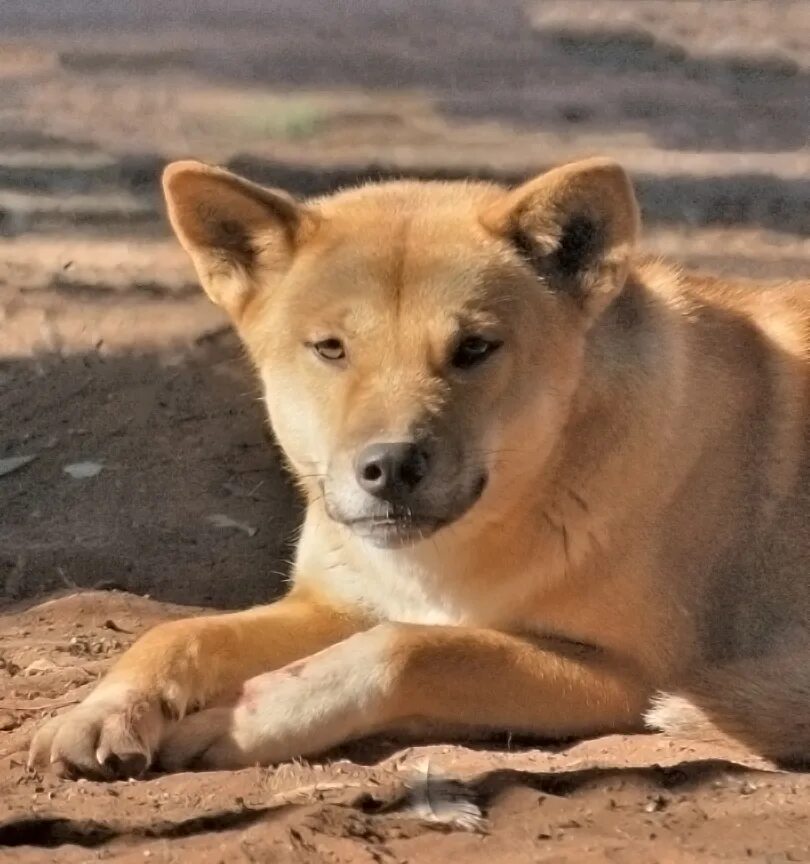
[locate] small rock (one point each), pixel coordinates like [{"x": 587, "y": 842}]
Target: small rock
[
  {"x": 221, "y": 520},
  {"x": 83, "y": 470},
  {"x": 659, "y": 802},
  {"x": 9, "y": 666}
]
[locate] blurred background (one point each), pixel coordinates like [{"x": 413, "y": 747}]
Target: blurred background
[{"x": 110, "y": 356}]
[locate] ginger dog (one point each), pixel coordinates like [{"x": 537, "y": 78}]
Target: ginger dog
[{"x": 553, "y": 487}]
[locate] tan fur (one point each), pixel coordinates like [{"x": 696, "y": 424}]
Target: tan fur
[{"x": 643, "y": 436}]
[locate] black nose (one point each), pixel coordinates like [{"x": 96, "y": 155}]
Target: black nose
[{"x": 391, "y": 470}]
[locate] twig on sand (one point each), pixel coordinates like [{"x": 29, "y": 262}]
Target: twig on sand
[
  {"x": 11, "y": 751},
  {"x": 287, "y": 796},
  {"x": 47, "y": 706}
]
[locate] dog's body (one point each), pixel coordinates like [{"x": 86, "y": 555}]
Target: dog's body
[{"x": 547, "y": 481}]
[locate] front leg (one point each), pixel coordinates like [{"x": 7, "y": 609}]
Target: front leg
[
  {"x": 393, "y": 675},
  {"x": 177, "y": 667}
]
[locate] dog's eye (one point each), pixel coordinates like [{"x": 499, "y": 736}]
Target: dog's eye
[
  {"x": 472, "y": 350},
  {"x": 330, "y": 349}
]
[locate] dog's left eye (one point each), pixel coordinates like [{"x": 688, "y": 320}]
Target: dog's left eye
[
  {"x": 472, "y": 350},
  {"x": 330, "y": 349}
]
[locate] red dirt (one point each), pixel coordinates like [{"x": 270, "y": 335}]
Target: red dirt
[
  {"x": 109, "y": 353},
  {"x": 618, "y": 798}
]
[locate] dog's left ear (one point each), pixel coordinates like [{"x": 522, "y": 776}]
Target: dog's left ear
[
  {"x": 576, "y": 226},
  {"x": 239, "y": 235}
]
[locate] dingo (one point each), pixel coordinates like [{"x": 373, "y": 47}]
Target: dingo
[{"x": 553, "y": 487}]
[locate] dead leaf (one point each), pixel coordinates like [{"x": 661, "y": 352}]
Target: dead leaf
[
  {"x": 14, "y": 463},
  {"x": 38, "y": 666},
  {"x": 83, "y": 470},
  {"x": 111, "y": 625},
  {"x": 220, "y": 520}
]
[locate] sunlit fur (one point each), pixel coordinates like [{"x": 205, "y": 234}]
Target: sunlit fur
[{"x": 643, "y": 529}]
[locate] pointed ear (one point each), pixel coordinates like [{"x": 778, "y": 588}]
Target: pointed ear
[
  {"x": 236, "y": 232},
  {"x": 576, "y": 226}
]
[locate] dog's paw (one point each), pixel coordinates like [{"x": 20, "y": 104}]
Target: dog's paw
[
  {"x": 115, "y": 732},
  {"x": 210, "y": 740},
  {"x": 260, "y": 729},
  {"x": 302, "y": 709}
]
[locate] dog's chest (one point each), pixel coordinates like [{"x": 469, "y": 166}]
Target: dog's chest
[
  {"x": 418, "y": 589},
  {"x": 397, "y": 593}
]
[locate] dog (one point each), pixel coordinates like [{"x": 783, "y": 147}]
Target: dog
[{"x": 553, "y": 486}]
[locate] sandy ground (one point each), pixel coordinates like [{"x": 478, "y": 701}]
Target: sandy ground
[{"x": 110, "y": 355}]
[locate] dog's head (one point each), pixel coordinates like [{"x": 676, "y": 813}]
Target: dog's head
[{"x": 419, "y": 343}]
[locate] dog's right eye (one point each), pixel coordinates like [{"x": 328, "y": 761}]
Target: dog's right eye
[
  {"x": 472, "y": 350},
  {"x": 330, "y": 349}
]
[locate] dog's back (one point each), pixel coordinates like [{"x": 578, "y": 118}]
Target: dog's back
[{"x": 752, "y": 622}]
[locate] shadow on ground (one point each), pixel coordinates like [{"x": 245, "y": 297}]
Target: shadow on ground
[
  {"x": 184, "y": 449},
  {"x": 488, "y": 790}
]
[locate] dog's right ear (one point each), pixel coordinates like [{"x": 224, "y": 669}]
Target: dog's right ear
[
  {"x": 238, "y": 234},
  {"x": 576, "y": 227}
]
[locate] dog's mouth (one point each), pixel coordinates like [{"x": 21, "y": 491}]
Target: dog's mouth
[
  {"x": 397, "y": 526},
  {"x": 391, "y": 532}
]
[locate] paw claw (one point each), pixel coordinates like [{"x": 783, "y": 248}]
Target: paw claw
[
  {"x": 126, "y": 765},
  {"x": 112, "y": 734}
]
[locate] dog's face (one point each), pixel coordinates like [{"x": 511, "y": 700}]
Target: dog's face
[{"x": 419, "y": 343}]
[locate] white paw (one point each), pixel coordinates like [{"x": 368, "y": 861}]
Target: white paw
[
  {"x": 298, "y": 710},
  {"x": 264, "y": 727},
  {"x": 203, "y": 741}
]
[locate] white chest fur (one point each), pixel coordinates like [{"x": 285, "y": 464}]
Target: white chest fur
[{"x": 433, "y": 582}]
